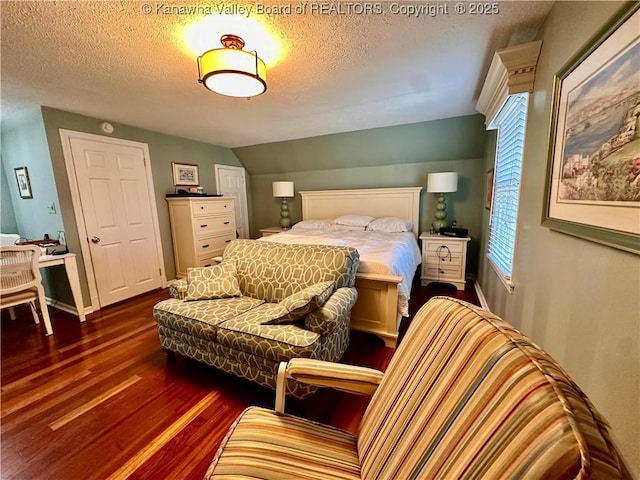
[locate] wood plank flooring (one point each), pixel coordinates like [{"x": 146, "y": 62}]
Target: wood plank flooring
[{"x": 100, "y": 400}]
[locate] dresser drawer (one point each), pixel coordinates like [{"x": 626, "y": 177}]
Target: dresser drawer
[
  {"x": 211, "y": 225},
  {"x": 445, "y": 273},
  {"x": 206, "y": 261},
  {"x": 211, "y": 208},
  {"x": 444, "y": 259},
  {"x": 213, "y": 245},
  {"x": 454, "y": 247}
]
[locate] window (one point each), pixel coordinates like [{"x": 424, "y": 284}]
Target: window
[{"x": 510, "y": 123}]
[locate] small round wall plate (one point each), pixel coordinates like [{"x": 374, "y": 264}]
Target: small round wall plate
[{"x": 106, "y": 127}]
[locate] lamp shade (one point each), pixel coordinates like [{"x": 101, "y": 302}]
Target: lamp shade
[
  {"x": 232, "y": 71},
  {"x": 283, "y": 189},
  {"x": 442, "y": 182}
]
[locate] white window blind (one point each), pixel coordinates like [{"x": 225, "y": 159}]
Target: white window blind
[{"x": 510, "y": 123}]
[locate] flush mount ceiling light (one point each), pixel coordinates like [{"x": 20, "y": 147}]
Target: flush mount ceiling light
[{"x": 232, "y": 71}]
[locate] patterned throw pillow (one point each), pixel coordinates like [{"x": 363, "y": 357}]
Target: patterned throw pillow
[
  {"x": 206, "y": 283},
  {"x": 299, "y": 304}
]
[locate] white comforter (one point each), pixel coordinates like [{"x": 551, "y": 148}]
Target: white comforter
[{"x": 384, "y": 253}]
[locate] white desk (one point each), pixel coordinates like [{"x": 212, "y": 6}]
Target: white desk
[{"x": 71, "y": 267}]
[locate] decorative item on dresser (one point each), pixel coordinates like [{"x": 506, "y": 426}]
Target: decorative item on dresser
[
  {"x": 201, "y": 228},
  {"x": 444, "y": 259}
]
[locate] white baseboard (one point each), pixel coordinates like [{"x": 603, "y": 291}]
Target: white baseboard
[
  {"x": 66, "y": 307},
  {"x": 481, "y": 297}
]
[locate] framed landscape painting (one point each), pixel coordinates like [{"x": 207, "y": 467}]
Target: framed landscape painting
[
  {"x": 593, "y": 174},
  {"x": 185, "y": 174}
]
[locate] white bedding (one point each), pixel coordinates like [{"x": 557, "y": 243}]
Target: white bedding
[{"x": 384, "y": 253}]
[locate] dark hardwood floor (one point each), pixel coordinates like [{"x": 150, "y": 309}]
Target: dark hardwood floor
[{"x": 100, "y": 400}]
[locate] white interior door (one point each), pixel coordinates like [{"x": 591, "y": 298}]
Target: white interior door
[
  {"x": 230, "y": 182},
  {"x": 115, "y": 200}
]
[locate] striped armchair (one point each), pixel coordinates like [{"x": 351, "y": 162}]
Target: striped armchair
[{"x": 465, "y": 396}]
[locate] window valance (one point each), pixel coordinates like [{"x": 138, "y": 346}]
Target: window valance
[{"x": 512, "y": 71}]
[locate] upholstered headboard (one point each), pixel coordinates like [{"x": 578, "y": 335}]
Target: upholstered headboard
[{"x": 403, "y": 202}]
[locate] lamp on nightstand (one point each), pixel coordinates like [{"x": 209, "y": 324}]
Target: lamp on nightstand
[
  {"x": 441, "y": 183},
  {"x": 283, "y": 190}
]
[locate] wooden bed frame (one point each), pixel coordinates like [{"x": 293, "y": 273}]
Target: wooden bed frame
[{"x": 376, "y": 310}]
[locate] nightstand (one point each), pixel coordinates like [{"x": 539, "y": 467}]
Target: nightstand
[
  {"x": 272, "y": 231},
  {"x": 444, "y": 259}
]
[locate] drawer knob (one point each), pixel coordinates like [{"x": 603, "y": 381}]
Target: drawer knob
[
  {"x": 227, "y": 223},
  {"x": 227, "y": 241},
  {"x": 203, "y": 226},
  {"x": 205, "y": 246}
]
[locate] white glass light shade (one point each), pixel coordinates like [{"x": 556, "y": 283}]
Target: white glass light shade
[
  {"x": 282, "y": 189},
  {"x": 442, "y": 182},
  {"x": 233, "y": 72}
]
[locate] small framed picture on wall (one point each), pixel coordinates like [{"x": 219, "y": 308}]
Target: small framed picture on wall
[
  {"x": 24, "y": 185},
  {"x": 185, "y": 174}
]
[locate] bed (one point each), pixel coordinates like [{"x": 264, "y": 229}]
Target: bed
[{"x": 388, "y": 261}]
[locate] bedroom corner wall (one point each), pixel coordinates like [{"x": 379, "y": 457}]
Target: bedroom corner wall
[{"x": 577, "y": 299}]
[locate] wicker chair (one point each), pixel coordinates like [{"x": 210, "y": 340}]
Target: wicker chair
[{"x": 21, "y": 281}]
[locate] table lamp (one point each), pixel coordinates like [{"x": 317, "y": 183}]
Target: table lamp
[
  {"x": 441, "y": 183},
  {"x": 283, "y": 190}
]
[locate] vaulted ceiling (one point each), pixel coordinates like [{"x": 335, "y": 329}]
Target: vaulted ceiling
[{"x": 332, "y": 66}]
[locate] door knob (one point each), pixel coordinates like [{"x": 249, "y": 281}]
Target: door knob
[{"x": 95, "y": 239}]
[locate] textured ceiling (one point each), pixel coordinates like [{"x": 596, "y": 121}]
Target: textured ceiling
[{"x": 337, "y": 72}]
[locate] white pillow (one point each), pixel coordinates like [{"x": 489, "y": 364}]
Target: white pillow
[
  {"x": 353, "y": 220},
  {"x": 336, "y": 227},
  {"x": 313, "y": 224},
  {"x": 390, "y": 225}
]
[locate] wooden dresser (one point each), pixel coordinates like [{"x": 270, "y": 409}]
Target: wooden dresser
[
  {"x": 201, "y": 228},
  {"x": 444, "y": 259}
]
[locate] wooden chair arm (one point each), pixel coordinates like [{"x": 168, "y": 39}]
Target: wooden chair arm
[{"x": 347, "y": 378}]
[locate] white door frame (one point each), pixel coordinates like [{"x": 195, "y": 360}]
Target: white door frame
[
  {"x": 245, "y": 213},
  {"x": 65, "y": 138}
]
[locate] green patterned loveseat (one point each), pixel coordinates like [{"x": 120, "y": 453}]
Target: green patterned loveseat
[{"x": 265, "y": 303}]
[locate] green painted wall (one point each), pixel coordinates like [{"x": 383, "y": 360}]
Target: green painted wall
[
  {"x": 577, "y": 299},
  {"x": 24, "y": 144},
  {"x": 7, "y": 216},
  {"x": 163, "y": 150},
  {"x": 438, "y": 140},
  {"x": 383, "y": 157}
]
